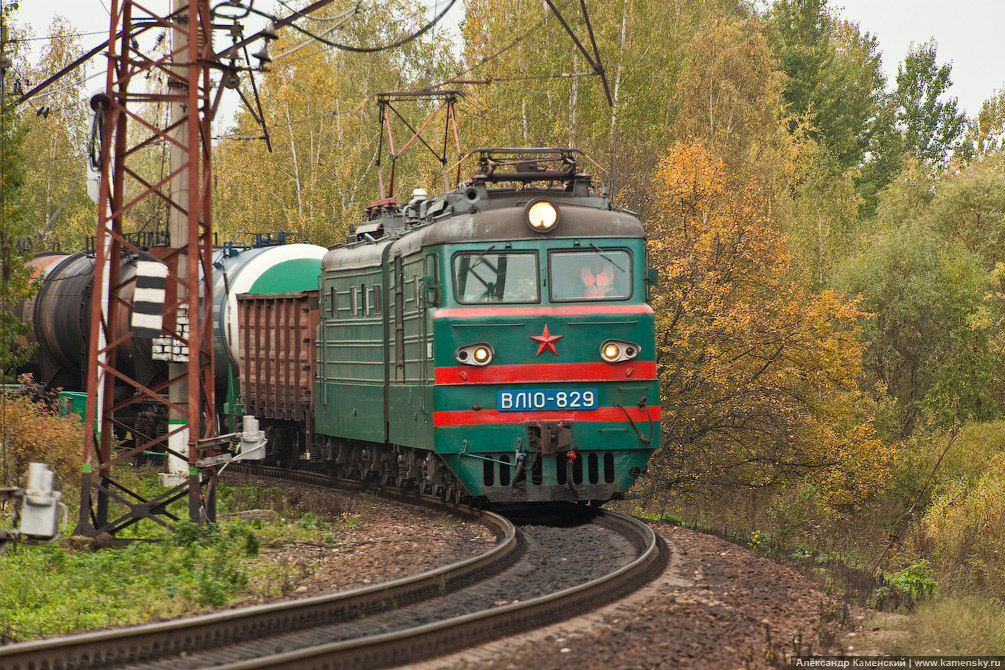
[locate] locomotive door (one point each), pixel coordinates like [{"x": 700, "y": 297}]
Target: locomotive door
[
  {"x": 426, "y": 299},
  {"x": 399, "y": 319},
  {"x": 410, "y": 388}
]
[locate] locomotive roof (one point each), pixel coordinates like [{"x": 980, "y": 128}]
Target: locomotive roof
[
  {"x": 490, "y": 207},
  {"x": 476, "y": 212},
  {"x": 502, "y": 216}
]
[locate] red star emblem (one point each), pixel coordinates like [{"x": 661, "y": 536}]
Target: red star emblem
[{"x": 546, "y": 341}]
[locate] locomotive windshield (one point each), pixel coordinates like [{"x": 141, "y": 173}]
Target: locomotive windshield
[
  {"x": 591, "y": 274},
  {"x": 496, "y": 276}
]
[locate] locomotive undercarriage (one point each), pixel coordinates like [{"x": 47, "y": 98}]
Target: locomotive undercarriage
[
  {"x": 551, "y": 470},
  {"x": 383, "y": 464}
]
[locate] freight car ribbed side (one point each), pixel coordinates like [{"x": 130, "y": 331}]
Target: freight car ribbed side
[{"x": 278, "y": 354}]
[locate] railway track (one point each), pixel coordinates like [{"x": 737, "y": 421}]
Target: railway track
[{"x": 535, "y": 575}]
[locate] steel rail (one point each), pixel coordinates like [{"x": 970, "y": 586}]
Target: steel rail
[
  {"x": 446, "y": 636},
  {"x": 142, "y": 644},
  {"x": 148, "y": 641}
]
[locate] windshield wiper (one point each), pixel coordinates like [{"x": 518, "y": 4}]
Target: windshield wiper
[
  {"x": 478, "y": 260},
  {"x": 606, "y": 257}
]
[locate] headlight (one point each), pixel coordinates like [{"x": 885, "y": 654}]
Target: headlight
[
  {"x": 480, "y": 354},
  {"x": 542, "y": 216},
  {"x": 614, "y": 351}
]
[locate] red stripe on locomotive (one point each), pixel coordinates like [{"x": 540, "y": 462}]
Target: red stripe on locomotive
[
  {"x": 578, "y": 310},
  {"x": 490, "y": 416}
]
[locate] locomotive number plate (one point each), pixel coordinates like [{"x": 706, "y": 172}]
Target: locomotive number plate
[{"x": 521, "y": 401}]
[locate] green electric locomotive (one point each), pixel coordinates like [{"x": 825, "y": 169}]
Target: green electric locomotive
[{"x": 494, "y": 342}]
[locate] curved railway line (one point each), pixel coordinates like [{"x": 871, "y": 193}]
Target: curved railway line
[{"x": 536, "y": 574}]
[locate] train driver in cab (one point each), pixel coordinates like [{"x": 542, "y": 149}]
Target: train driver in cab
[{"x": 597, "y": 284}]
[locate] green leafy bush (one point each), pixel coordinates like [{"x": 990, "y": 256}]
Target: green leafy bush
[
  {"x": 46, "y": 589},
  {"x": 878, "y": 597},
  {"x": 312, "y": 521},
  {"x": 917, "y": 580}
]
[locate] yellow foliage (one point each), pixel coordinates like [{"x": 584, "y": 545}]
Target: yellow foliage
[
  {"x": 967, "y": 524},
  {"x": 730, "y": 96},
  {"x": 324, "y": 131},
  {"x": 759, "y": 380},
  {"x": 33, "y": 434}
]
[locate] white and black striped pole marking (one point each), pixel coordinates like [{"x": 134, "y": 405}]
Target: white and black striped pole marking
[{"x": 148, "y": 298}]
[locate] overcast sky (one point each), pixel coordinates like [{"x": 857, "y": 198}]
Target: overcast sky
[{"x": 968, "y": 33}]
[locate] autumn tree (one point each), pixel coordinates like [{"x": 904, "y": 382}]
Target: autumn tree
[
  {"x": 150, "y": 161},
  {"x": 729, "y": 96},
  {"x": 540, "y": 91},
  {"x": 658, "y": 56},
  {"x": 923, "y": 347},
  {"x": 886, "y": 158},
  {"x": 834, "y": 97},
  {"x": 985, "y": 133},
  {"x": 759, "y": 380},
  {"x": 801, "y": 40},
  {"x": 916, "y": 119},
  {"x": 819, "y": 215},
  {"x": 15, "y": 231},
  {"x": 968, "y": 207},
  {"x": 55, "y": 145}
]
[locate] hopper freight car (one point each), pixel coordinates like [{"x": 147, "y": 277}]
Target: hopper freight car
[{"x": 277, "y": 333}]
